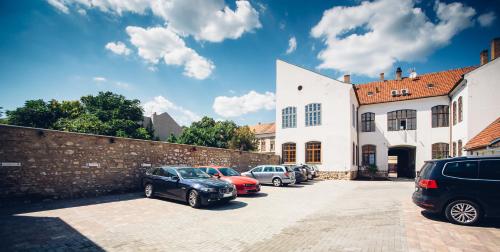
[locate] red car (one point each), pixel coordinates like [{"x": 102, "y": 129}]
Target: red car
[{"x": 244, "y": 185}]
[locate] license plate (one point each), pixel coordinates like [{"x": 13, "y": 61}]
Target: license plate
[{"x": 227, "y": 195}]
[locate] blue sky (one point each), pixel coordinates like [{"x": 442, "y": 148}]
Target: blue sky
[{"x": 194, "y": 58}]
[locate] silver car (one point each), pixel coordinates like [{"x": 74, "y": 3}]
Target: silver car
[{"x": 277, "y": 175}]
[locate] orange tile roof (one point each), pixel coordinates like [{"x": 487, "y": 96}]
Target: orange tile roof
[
  {"x": 485, "y": 137},
  {"x": 263, "y": 128},
  {"x": 443, "y": 83}
]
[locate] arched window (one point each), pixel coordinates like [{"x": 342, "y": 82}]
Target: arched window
[
  {"x": 460, "y": 148},
  {"x": 369, "y": 154},
  {"x": 289, "y": 117},
  {"x": 313, "y": 114},
  {"x": 288, "y": 153},
  {"x": 405, "y": 119},
  {"x": 440, "y": 116},
  {"x": 460, "y": 109},
  {"x": 368, "y": 122},
  {"x": 313, "y": 152},
  {"x": 454, "y": 150},
  {"x": 440, "y": 150},
  {"x": 454, "y": 112}
]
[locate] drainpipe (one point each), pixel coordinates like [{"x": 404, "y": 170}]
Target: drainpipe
[{"x": 450, "y": 123}]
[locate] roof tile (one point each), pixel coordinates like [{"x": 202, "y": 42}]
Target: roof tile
[{"x": 485, "y": 137}]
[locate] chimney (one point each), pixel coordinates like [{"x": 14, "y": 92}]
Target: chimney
[
  {"x": 495, "y": 48},
  {"x": 347, "y": 78},
  {"x": 382, "y": 76},
  {"x": 398, "y": 73},
  {"x": 484, "y": 56}
]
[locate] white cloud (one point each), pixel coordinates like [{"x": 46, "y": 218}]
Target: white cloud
[
  {"x": 160, "y": 104},
  {"x": 82, "y": 12},
  {"x": 123, "y": 85},
  {"x": 118, "y": 47},
  {"x": 369, "y": 38},
  {"x": 292, "y": 45},
  {"x": 239, "y": 105},
  {"x": 210, "y": 20},
  {"x": 158, "y": 43},
  {"x": 59, "y": 4},
  {"x": 487, "y": 19},
  {"x": 99, "y": 79}
]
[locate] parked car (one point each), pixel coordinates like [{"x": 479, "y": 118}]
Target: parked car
[
  {"x": 300, "y": 173},
  {"x": 187, "y": 184},
  {"x": 464, "y": 189},
  {"x": 309, "y": 172},
  {"x": 277, "y": 175},
  {"x": 314, "y": 170},
  {"x": 244, "y": 185}
]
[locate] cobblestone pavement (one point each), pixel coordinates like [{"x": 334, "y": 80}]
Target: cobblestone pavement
[{"x": 320, "y": 216}]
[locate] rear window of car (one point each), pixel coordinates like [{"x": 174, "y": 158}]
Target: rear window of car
[
  {"x": 279, "y": 169},
  {"x": 489, "y": 169},
  {"x": 464, "y": 169},
  {"x": 426, "y": 170}
]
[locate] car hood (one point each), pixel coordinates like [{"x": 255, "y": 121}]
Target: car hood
[
  {"x": 239, "y": 180},
  {"x": 209, "y": 182}
]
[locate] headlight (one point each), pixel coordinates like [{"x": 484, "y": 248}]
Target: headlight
[{"x": 206, "y": 189}]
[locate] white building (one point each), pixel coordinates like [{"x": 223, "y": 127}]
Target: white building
[
  {"x": 342, "y": 128},
  {"x": 163, "y": 125}
]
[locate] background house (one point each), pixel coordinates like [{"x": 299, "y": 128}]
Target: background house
[
  {"x": 163, "y": 125},
  {"x": 265, "y": 135}
]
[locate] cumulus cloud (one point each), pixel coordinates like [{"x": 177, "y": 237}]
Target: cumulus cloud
[
  {"x": 204, "y": 20},
  {"x": 239, "y": 105},
  {"x": 487, "y": 19},
  {"x": 118, "y": 47},
  {"x": 210, "y": 20},
  {"x": 369, "y": 38},
  {"x": 59, "y": 4},
  {"x": 99, "y": 79},
  {"x": 160, "y": 104},
  {"x": 292, "y": 45},
  {"x": 158, "y": 43}
]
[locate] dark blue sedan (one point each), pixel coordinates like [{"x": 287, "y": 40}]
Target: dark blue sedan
[{"x": 187, "y": 184}]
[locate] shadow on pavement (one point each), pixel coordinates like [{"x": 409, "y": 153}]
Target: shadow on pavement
[
  {"x": 66, "y": 203},
  {"x": 254, "y": 195},
  {"x": 486, "y": 222},
  {"x": 26, "y": 233},
  {"x": 231, "y": 205}
]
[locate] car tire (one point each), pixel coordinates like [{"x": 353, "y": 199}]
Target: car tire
[
  {"x": 193, "y": 199},
  {"x": 149, "y": 190},
  {"x": 277, "y": 182},
  {"x": 463, "y": 212}
]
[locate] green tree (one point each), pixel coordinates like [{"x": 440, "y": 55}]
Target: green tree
[
  {"x": 86, "y": 123},
  {"x": 172, "y": 139},
  {"x": 208, "y": 132},
  {"x": 34, "y": 113},
  {"x": 243, "y": 139}
]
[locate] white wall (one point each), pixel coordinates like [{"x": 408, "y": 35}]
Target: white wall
[
  {"x": 335, "y": 98},
  {"x": 422, "y": 138}
]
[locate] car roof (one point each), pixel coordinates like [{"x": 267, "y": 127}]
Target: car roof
[
  {"x": 175, "y": 167},
  {"x": 465, "y": 158}
]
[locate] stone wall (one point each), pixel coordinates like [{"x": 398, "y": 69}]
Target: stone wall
[
  {"x": 337, "y": 175},
  {"x": 41, "y": 164}
]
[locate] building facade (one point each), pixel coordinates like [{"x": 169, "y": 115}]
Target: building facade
[
  {"x": 163, "y": 125},
  {"x": 395, "y": 125},
  {"x": 265, "y": 136}
]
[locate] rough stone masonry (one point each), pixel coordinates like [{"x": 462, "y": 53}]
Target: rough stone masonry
[{"x": 48, "y": 164}]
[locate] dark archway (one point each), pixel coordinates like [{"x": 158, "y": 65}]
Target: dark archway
[{"x": 405, "y": 156}]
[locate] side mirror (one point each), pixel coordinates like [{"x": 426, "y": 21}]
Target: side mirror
[{"x": 176, "y": 178}]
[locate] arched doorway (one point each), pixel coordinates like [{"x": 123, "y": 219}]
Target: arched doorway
[{"x": 402, "y": 161}]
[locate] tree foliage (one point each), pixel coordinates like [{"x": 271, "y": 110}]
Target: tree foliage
[
  {"x": 220, "y": 134},
  {"x": 104, "y": 114}
]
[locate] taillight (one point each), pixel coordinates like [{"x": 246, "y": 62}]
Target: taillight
[
  {"x": 428, "y": 183},
  {"x": 286, "y": 174}
]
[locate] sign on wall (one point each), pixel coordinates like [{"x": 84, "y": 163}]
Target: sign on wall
[{"x": 11, "y": 164}]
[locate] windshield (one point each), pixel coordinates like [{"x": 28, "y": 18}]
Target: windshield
[
  {"x": 228, "y": 172},
  {"x": 190, "y": 173}
]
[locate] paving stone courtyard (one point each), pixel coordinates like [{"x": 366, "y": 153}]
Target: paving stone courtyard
[{"x": 317, "y": 216}]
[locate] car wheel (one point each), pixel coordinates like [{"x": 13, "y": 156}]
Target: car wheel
[
  {"x": 149, "y": 191},
  {"x": 463, "y": 212},
  {"x": 194, "y": 199},
  {"x": 277, "y": 182}
]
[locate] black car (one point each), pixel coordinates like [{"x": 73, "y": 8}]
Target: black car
[
  {"x": 299, "y": 173},
  {"x": 464, "y": 189},
  {"x": 187, "y": 184}
]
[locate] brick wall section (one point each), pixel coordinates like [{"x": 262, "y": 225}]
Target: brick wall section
[{"x": 57, "y": 164}]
